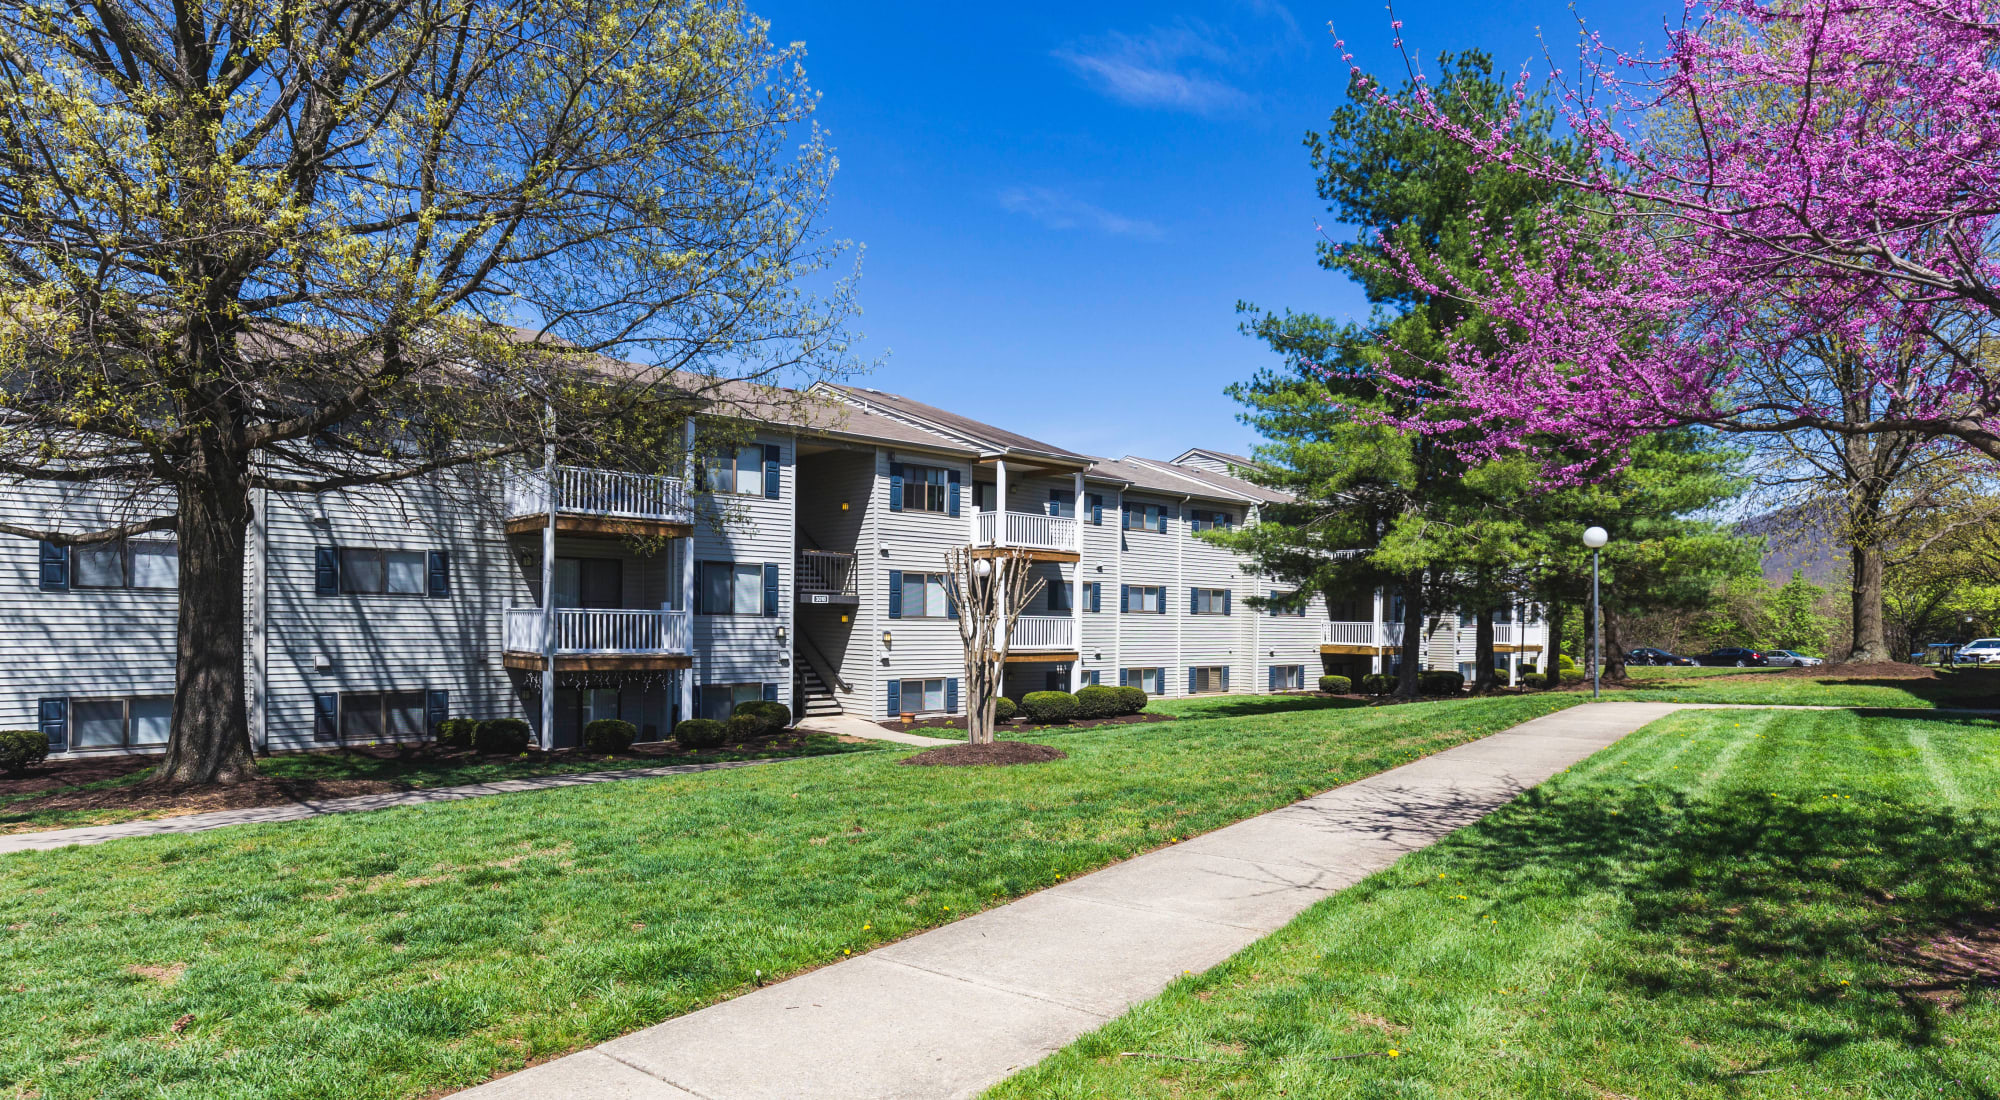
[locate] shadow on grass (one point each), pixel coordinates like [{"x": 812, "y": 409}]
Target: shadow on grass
[
  {"x": 1972, "y": 690},
  {"x": 1767, "y": 900},
  {"x": 1252, "y": 706}
]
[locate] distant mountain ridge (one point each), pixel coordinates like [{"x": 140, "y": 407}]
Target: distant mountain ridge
[{"x": 1798, "y": 539}]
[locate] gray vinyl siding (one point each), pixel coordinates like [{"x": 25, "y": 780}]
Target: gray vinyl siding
[
  {"x": 82, "y": 643},
  {"x": 1152, "y": 557},
  {"x": 907, "y": 542},
  {"x": 837, "y": 478},
  {"x": 389, "y": 643},
  {"x": 737, "y": 649}
]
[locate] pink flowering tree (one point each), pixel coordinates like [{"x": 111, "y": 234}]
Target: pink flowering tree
[{"x": 1787, "y": 225}]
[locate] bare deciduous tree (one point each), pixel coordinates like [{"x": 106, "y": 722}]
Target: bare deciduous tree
[{"x": 991, "y": 589}]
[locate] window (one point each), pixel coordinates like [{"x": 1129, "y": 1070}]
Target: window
[
  {"x": 922, "y": 695},
  {"x": 982, "y": 496},
  {"x": 924, "y": 596},
  {"x": 739, "y": 472},
  {"x": 379, "y": 716},
  {"x": 1208, "y": 679},
  {"x": 1146, "y": 517},
  {"x": 1095, "y": 502},
  {"x": 121, "y": 723},
  {"x": 1059, "y": 594},
  {"x": 1145, "y": 679},
  {"x": 1093, "y": 595},
  {"x": 732, "y": 588},
  {"x": 1210, "y": 601},
  {"x": 127, "y": 563},
  {"x": 1288, "y": 677},
  {"x": 719, "y": 701},
  {"x": 926, "y": 489},
  {"x": 1145, "y": 598},
  {"x": 382, "y": 572},
  {"x": 1280, "y": 609},
  {"x": 1210, "y": 521},
  {"x": 1062, "y": 502},
  {"x": 590, "y": 582},
  {"x": 1092, "y": 677}
]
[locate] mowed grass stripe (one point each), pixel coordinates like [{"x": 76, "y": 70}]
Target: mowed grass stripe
[
  {"x": 407, "y": 952},
  {"x": 1743, "y": 929}
]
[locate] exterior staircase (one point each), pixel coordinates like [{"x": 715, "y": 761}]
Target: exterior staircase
[{"x": 816, "y": 698}]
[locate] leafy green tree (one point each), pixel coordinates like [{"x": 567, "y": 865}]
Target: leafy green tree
[
  {"x": 1793, "y": 619},
  {"x": 295, "y": 248}
]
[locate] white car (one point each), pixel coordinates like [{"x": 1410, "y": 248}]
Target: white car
[
  {"x": 1785, "y": 658},
  {"x": 1985, "y": 651}
]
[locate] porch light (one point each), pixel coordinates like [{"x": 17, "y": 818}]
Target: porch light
[
  {"x": 887, "y": 638},
  {"x": 982, "y": 567}
]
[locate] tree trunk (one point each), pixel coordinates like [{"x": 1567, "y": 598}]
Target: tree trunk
[
  {"x": 1614, "y": 648},
  {"x": 1483, "y": 678},
  {"x": 1413, "y": 636},
  {"x": 1552, "y": 655},
  {"x": 1870, "y": 640},
  {"x": 210, "y": 742}
]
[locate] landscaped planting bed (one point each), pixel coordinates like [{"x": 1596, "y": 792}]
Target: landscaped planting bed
[{"x": 408, "y": 952}]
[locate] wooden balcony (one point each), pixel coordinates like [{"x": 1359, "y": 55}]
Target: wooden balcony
[
  {"x": 610, "y": 503},
  {"x": 826, "y": 577},
  {"x": 1041, "y": 638},
  {"x": 590, "y": 639},
  {"x": 1359, "y": 639},
  {"x": 1045, "y": 538}
]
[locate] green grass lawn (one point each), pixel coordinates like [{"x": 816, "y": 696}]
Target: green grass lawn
[
  {"x": 406, "y": 952},
  {"x": 1725, "y": 904},
  {"x": 414, "y": 772},
  {"x": 1973, "y": 688}
]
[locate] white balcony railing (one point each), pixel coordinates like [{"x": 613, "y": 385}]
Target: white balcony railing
[
  {"x": 586, "y": 491},
  {"x": 1040, "y": 632},
  {"x": 1028, "y": 530},
  {"x": 1349, "y": 634},
  {"x": 1503, "y": 633},
  {"x": 601, "y": 630}
]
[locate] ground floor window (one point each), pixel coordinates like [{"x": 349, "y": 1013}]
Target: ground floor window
[
  {"x": 121, "y": 723},
  {"x": 1288, "y": 677},
  {"x": 719, "y": 701},
  {"x": 922, "y": 695},
  {"x": 1145, "y": 679},
  {"x": 1091, "y": 677},
  {"x": 1208, "y": 679},
  {"x": 378, "y": 716}
]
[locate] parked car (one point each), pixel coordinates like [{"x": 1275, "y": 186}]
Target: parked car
[
  {"x": 1733, "y": 655},
  {"x": 1982, "y": 651},
  {"x": 1647, "y": 655},
  {"x": 1788, "y": 659}
]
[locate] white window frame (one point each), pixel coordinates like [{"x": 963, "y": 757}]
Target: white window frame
[
  {"x": 418, "y": 560},
  {"x": 1211, "y": 601},
  {"x": 929, "y": 584},
  {"x": 125, "y": 705},
  {"x": 1292, "y": 677},
  {"x": 736, "y": 472},
  {"x": 932, "y": 497},
  {"x": 1208, "y": 679},
  {"x": 1138, "y": 592},
  {"x": 737, "y": 571},
  {"x": 123, "y": 549},
  {"x": 1136, "y": 677},
  {"x": 922, "y": 694},
  {"x": 384, "y": 715}
]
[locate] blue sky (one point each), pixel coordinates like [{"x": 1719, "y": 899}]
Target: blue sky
[{"x": 1062, "y": 204}]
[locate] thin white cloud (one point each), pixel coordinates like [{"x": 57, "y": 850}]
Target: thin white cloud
[
  {"x": 1171, "y": 67},
  {"x": 1059, "y": 210}
]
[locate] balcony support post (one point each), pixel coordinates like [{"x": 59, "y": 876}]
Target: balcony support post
[
  {"x": 1076, "y": 585},
  {"x": 548, "y": 731},
  {"x": 686, "y": 708},
  {"x": 1000, "y": 502}
]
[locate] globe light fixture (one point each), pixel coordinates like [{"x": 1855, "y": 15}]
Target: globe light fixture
[{"x": 1595, "y": 537}]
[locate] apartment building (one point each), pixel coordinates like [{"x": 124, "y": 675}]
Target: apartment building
[{"x": 803, "y": 565}]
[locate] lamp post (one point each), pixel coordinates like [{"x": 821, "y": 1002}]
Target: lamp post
[{"x": 1595, "y": 538}]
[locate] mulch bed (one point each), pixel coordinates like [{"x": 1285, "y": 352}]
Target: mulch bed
[
  {"x": 996, "y": 753},
  {"x": 1079, "y": 724},
  {"x": 61, "y": 778}
]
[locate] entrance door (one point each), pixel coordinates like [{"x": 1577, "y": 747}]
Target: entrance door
[
  {"x": 590, "y": 582},
  {"x": 577, "y": 708}
]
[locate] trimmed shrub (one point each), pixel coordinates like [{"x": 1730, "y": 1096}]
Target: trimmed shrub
[
  {"x": 1440, "y": 683},
  {"x": 1528, "y": 667},
  {"x": 1131, "y": 700},
  {"x": 743, "y": 727},
  {"x": 771, "y": 716},
  {"x": 1004, "y": 709},
  {"x": 508, "y": 735},
  {"x": 699, "y": 733},
  {"x": 1099, "y": 701},
  {"x": 22, "y": 749},
  {"x": 1572, "y": 675},
  {"x": 1566, "y": 663},
  {"x": 1336, "y": 685},
  {"x": 457, "y": 732},
  {"x": 610, "y": 735},
  {"x": 1049, "y": 707},
  {"x": 1533, "y": 680},
  {"x": 1378, "y": 683}
]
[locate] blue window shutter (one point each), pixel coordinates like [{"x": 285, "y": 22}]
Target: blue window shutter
[
  {"x": 1125, "y": 518},
  {"x": 326, "y": 717},
  {"x": 1225, "y": 677},
  {"x": 1194, "y": 600},
  {"x": 770, "y": 590},
  {"x": 1161, "y": 607},
  {"x": 1055, "y": 502},
  {"x": 1124, "y": 598},
  {"x": 895, "y": 697},
  {"x": 55, "y": 567},
  {"x": 326, "y": 571},
  {"x": 950, "y": 604},
  {"x": 1124, "y": 675},
  {"x": 1097, "y": 596},
  {"x": 437, "y": 708},
  {"x": 1225, "y": 601},
  {"x": 951, "y": 492},
  {"x": 895, "y": 593},
  {"x": 1271, "y": 679},
  {"x": 53, "y": 716},
  {"x": 770, "y": 471},
  {"x": 696, "y": 701},
  {"x": 1163, "y": 519},
  {"x": 895, "y": 486},
  {"x": 951, "y": 695},
  {"x": 1190, "y": 680},
  {"x": 1096, "y": 509},
  {"x": 770, "y": 693},
  {"x": 440, "y": 573}
]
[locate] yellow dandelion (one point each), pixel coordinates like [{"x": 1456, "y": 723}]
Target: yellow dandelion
[
  {"x": 866, "y": 927},
  {"x": 1395, "y": 1053}
]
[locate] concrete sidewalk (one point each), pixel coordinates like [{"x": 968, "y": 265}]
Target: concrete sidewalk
[
  {"x": 299, "y": 811},
  {"x": 847, "y": 725},
  {"x": 954, "y": 1010}
]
